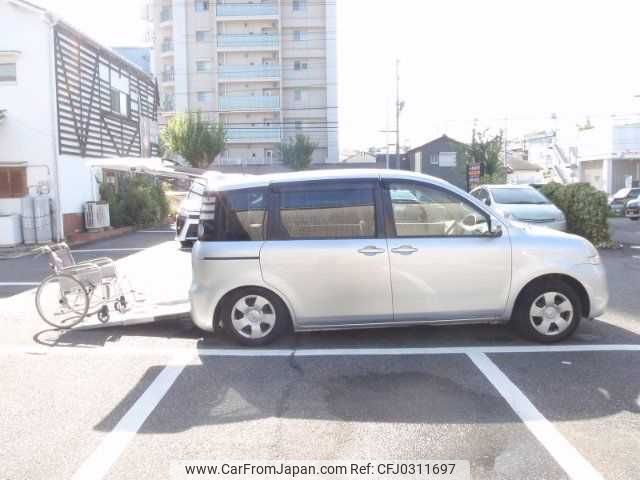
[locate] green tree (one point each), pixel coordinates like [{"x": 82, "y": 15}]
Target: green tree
[
  {"x": 198, "y": 142},
  {"x": 486, "y": 150},
  {"x": 296, "y": 153}
]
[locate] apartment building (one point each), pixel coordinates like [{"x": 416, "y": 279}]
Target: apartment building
[{"x": 267, "y": 70}]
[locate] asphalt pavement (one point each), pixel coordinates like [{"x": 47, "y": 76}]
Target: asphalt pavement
[{"x": 124, "y": 402}]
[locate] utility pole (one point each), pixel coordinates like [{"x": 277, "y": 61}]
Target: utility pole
[{"x": 398, "y": 110}]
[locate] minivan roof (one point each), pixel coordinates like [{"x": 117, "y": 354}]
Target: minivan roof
[{"x": 218, "y": 182}]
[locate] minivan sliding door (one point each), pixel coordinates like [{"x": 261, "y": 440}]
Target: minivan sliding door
[{"x": 326, "y": 255}]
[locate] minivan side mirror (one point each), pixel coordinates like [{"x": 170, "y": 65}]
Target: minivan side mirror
[
  {"x": 487, "y": 202},
  {"x": 495, "y": 229}
]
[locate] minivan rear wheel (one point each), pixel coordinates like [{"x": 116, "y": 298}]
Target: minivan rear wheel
[
  {"x": 254, "y": 316},
  {"x": 548, "y": 311}
]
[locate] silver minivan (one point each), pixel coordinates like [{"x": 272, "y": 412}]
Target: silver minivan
[{"x": 327, "y": 250}]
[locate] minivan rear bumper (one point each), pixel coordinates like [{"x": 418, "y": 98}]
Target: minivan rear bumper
[{"x": 202, "y": 307}]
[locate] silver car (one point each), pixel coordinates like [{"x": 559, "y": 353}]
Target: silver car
[
  {"x": 329, "y": 250},
  {"x": 522, "y": 203},
  {"x": 632, "y": 211}
]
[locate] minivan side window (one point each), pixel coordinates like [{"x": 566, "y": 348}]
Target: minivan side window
[
  {"x": 243, "y": 215},
  {"x": 328, "y": 213},
  {"x": 423, "y": 211}
]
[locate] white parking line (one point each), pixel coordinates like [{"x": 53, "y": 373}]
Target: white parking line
[
  {"x": 108, "y": 452},
  {"x": 574, "y": 464},
  {"x": 155, "y": 351},
  {"x": 97, "y": 250},
  {"x": 19, "y": 284}
]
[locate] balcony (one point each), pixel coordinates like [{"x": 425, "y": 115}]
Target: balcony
[
  {"x": 253, "y": 135},
  {"x": 248, "y": 72},
  {"x": 246, "y": 10},
  {"x": 249, "y": 41},
  {"x": 249, "y": 103},
  {"x": 168, "y": 76}
]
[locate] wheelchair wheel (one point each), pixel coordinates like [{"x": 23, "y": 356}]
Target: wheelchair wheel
[{"x": 62, "y": 301}]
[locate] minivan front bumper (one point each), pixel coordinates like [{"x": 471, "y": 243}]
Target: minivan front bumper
[{"x": 594, "y": 280}]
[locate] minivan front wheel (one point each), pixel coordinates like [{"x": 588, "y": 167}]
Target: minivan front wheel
[
  {"x": 254, "y": 316},
  {"x": 548, "y": 311}
]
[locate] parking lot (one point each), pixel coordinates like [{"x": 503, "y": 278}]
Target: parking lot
[{"x": 126, "y": 401}]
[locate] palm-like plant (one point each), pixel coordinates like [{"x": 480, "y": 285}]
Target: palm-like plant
[
  {"x": 198, "y": 142},
  {"x": 297, "y": 152}
]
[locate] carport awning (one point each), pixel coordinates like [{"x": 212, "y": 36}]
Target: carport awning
[{"x": 151, "y": 166}]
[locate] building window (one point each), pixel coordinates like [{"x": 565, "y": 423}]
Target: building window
[
  {"x": 166, "y": 13},
  {"x": 167, "y": 45},
  {"x": 447, "y": 159},
  {"x": 299, "y": 35},
  {"x": 335, "y": 213},
  {"x": 119, "y": 102},
  {"x": 433, "y": 159},
  {"x": 297, "y": 94},
  {"x": 201, "y": 6},
  {"x": 8, "y": 72},
  {"x": 298, "y": 124},
  {"x": 13, "y": 182},
  {"x": 203, "y": 66},
  {"x": 299, "y": 5},
  {"x": 204, "y": 97},
  {"x": 202, "y": 35},
  {"x": 168, "y": 103},
  {"x": 298, "y": 65}
]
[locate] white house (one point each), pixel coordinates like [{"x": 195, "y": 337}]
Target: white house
[
  {"x": 605, "y": 153},
  {"x": 64, "y": 99}
]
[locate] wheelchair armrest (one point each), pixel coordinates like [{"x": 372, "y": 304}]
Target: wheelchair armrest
[
  {"x": 83, "y": 268},
  {"x": 101, "y": 261}
]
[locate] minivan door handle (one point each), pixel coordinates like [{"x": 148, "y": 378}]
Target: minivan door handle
[
  {"x": 404, "y": 250},
  {"x": 371, "y": 250}
]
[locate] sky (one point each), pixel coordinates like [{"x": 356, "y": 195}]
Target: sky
[{"x": 501, "y": 64}]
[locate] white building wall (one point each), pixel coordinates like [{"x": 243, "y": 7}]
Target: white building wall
[{"x": 27, "y": 135}]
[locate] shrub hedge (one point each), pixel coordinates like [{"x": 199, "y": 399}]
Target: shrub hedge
[
  {"x": 138, "y": 200},
  {"x": 586, "y": 210}
]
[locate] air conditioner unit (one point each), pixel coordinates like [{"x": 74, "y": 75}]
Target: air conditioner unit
[{"x": 96, "y": 215}]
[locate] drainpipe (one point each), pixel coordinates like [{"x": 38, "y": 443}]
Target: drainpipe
[{"x": 59, "y": 230}]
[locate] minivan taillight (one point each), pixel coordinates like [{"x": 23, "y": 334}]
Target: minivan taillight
[{"x": 207, "y": 227}]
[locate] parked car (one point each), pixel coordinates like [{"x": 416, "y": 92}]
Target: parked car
[
  {"x": 188, "y": 216},
  {"x": 330, "y": 250},
  {"x": 632, "y": 211},
  {"x": 618, "y": 202},
  {"x": 522, "y": 203}
]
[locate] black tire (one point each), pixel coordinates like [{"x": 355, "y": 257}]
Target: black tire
[
  {"x": 635, "y": 219},
  {"x": 282, "y": 318},
  {"x": 186, "y": 244},
  {"x": 76, "y": 312},
  {"x": 524, "y": 322}
]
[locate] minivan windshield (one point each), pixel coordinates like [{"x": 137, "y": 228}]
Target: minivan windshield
[{"x": 519, "y": 196}]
